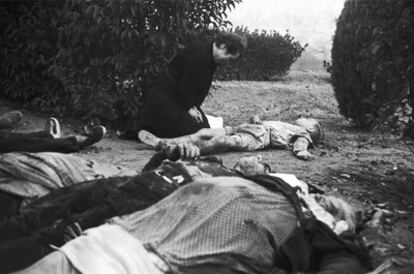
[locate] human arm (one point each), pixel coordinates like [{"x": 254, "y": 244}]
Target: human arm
[
  {"x": 300, "y": 148},
  {"x": 74, "y": 225},
  {"x": 156, "y": 160},
  {"x": 196, "y": 114},
  {"x": 72, "y": 231},
  {"x": 172, "y": 152}
]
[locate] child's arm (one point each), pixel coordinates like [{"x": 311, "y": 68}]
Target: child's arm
[{"x": 300, "y": 148}]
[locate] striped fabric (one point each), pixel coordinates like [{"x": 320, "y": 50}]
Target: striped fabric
[
  {"x": 32, "y": 175},
  {"x": 225, "y": 220}
]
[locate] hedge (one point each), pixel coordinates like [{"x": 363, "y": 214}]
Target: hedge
[
  {"x": 97, "y": 59},
  {"x": 94, "y": 58},
  {"x": 372, "y": 56},
  {"x": 269, "y": 56}
]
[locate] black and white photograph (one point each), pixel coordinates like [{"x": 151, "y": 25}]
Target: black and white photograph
[{"x": 207, "y": 136}]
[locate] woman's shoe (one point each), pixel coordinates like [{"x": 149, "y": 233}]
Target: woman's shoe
[{"x": 53, "y": 127}]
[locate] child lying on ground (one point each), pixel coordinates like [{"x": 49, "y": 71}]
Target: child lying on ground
[{"x": 256, "y": 135}]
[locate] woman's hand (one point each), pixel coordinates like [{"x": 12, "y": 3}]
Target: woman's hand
[{"x": 196, "y": 114}]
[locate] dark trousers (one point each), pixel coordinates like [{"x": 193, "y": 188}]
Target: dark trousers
[
  {"x": 26, "y": 238},
  {"x": 165, "y": 118},
  {"x": 36, "y": 142}
]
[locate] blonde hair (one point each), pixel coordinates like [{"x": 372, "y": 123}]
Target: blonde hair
[
  {"x": 313, "y": 128},
  {"x": 340, "y": 209}
]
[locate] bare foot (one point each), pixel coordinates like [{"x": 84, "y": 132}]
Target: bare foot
[{"x": 148, "y": 138}]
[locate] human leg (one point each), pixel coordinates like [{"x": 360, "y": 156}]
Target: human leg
[
  {"x": 203, "y": 134},
  {"x": 93, "y": 134},
  {"x": 236, "y": 142},
  {"x": 49, "y": 140},
  {"x": 300, "y": 148},
  {"x": 66, "y": 145},
  {"x": 219, "y": 144},
  {"x": 54, "y": 206},
  {"x": 36, "y": 142}
]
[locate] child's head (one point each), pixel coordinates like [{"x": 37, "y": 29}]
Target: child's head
[
  {"x": 313, "y": 127},
  {"x": 252, "y": 165},
  {"x": 340, "y": 209}
]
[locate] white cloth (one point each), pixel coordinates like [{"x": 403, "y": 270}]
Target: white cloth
[
  {"x": 293, "y": 181},
  {"x": 318, "y": 211},
  {"x": 215, "y": 122},
  {"x": 109, "y": 249}
]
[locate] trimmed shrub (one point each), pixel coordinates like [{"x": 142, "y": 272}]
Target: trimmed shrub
[
  {"x": 268, "y": 56},
  {"x": 372, "y": 55},
  {"x": 98, "y": 58}
]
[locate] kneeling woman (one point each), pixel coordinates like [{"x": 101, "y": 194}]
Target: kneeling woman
[{"x": 173, "y": 105}]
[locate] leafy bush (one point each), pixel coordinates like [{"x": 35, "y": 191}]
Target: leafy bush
[
  {"x": 371, "y": 58},
  {"x": 94, "y": 58},
  {"x": 269, "y": 55}
]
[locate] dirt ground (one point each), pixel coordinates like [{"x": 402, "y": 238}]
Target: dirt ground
[{"x": 368, "y": 169}]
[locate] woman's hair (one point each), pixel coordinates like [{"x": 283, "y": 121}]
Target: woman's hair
[
  {"x": 339, "y": 208},
  {"x": 235, "y": 43},
  {"x": 313, "y": 127}
]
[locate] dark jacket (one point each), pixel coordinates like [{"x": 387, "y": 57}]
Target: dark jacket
[{"x": 183, "y": 84}]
